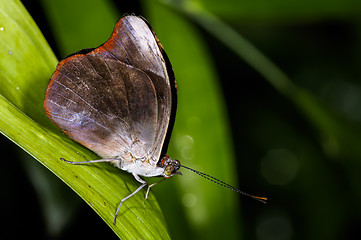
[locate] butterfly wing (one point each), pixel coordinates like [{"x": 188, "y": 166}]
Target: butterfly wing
[{"x": 116, "y": 99}]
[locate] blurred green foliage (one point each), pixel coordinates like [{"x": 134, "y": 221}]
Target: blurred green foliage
[{"x": 269, "y": 97}]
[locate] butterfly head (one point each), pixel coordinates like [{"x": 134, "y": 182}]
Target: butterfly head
[{"x": 170, "y": 166}]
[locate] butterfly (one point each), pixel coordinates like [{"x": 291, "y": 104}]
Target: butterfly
[{"x": 119, "y": 100}]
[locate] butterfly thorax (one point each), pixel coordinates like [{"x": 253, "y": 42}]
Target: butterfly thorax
[{"x": 166, "y": 167}]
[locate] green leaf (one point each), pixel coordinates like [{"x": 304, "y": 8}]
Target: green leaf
[
  {"x": 201, "y": 137},
  {"x": 26, "y": 65}
]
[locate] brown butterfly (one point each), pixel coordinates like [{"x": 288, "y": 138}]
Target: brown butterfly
[{"x": 119, "y": 100}]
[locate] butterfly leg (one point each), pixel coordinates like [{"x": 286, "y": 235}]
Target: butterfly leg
[
  {"x": 151, "y": 185},
  {"x": 87, "y": 162},
  {"x": 144, "y": 183}
]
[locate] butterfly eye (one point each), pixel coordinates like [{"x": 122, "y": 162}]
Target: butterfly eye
[{"x": 168, "y": 170}]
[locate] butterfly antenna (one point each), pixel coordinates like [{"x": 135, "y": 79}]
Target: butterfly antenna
[{"x": 226, "y": 185}]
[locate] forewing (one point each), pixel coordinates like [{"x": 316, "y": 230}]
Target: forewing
[
  {"x": 103, "y": 104},
  {"x": 134, "y": 43},
  {"x": 117, "y": 98}
]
